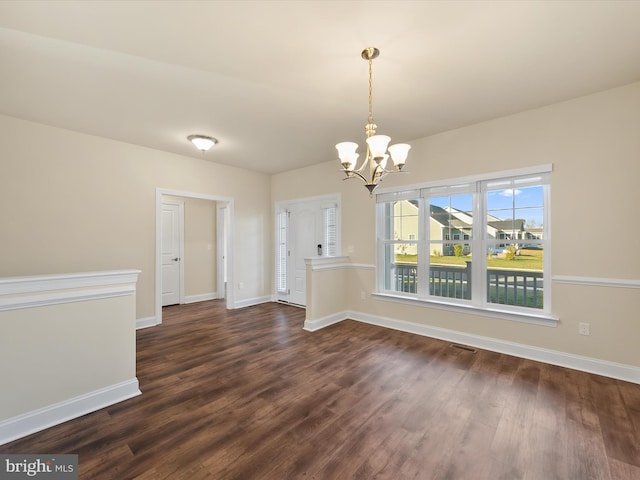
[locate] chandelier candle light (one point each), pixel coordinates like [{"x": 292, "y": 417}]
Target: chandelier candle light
[{"x": 373, "y": 169}]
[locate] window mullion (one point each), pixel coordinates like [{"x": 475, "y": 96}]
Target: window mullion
[
  {"x": 423, "y": 247},
  {"x": 479, "y": 249},
  {"x": 546, "y": 243},
  {"x": 380, "y": 261}
]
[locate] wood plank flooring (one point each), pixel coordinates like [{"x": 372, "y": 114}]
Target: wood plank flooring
[{"x": 247, "y": 394}]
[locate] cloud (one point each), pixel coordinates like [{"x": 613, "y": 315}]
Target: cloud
[{"x": 510, "y": 192}]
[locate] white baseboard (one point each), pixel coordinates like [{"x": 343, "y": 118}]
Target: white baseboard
[
  {"x": 596, "y": 366},
  {"x": 249, "y": 302},
  {"x": 146, "y": 322},
  {"x": 314, "y": 325},
  {"x": 42, "y": 418},
  {"x": 201, "y": 297},
  {"x": 153, "y": 321}
]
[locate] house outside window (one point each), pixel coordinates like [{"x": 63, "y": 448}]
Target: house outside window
[{"x": 482, "y": 243}]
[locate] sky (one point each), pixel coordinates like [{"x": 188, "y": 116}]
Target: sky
[{"x": 505, "y": 204}]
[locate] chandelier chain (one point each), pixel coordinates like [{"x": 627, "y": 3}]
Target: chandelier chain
[{"x": 370, "y": 91}]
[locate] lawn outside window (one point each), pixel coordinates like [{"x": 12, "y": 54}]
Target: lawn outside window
[{"x": 480, "y": 242}]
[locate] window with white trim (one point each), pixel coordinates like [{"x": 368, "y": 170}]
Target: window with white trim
[
  {"x": 281, "y": 251},
  {"x": 482, "y": 243},
  {"x": 330, "y": 230}
]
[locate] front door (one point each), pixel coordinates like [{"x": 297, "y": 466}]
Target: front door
[
  {"x": 171, "y": 250},
  {"x": 304, "y": 228},
  {"x": 306, "y": 233}
]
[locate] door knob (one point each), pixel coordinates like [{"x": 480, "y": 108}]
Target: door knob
[{"x": 175, "y": 259}]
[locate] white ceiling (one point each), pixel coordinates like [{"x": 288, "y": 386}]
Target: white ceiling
[{"x": 279, "y": 83}]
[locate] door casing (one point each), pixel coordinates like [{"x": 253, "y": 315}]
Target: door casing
[
  {"x": 229, "y": 235},
  {"x": 302, "y": 241}
]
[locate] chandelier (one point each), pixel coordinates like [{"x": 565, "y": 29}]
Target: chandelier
[{"x": 374, "y": 166}]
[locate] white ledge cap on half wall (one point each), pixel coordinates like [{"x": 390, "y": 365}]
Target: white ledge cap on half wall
[
  {"x": 325, "y": 260},
  {"x": 61, "y": 281}
]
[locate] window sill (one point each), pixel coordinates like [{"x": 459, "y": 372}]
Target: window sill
[{"x": 523, "y": 317}]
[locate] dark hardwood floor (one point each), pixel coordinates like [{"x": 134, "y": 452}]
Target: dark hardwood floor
[{"x": 248, "y": 394}]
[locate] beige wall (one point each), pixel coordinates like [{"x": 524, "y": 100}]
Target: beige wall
[
  {"x": 358, "y": 209},
  {"x": 200, "y": 247},
  {"x": 63, "y": 339},
  {"x": 329, "y": 285},
  {"x": 87, "y": 346},
  {"x": 593, "y": 143},
  {"x": 75, "y": 202},
  {"x": 200, "y": 244}
]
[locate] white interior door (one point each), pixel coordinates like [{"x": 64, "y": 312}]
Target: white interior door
[{"x": 171, "y": 252}]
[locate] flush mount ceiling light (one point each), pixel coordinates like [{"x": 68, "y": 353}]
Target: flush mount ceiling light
[
  {"x": 202, "y": 142},
  {"x": 374, "y": 166}
]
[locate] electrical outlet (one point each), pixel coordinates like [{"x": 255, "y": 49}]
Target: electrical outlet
[{"x": 584, "y": 328}]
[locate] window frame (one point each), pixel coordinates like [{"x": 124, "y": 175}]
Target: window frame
[
  {"x": 281, "y": 258},
  {"x": 479, "y": 185},
  {"x": 330, "y": 230}
]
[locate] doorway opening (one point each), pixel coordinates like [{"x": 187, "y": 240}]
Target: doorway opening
[{"x": 219, "y": 247}]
